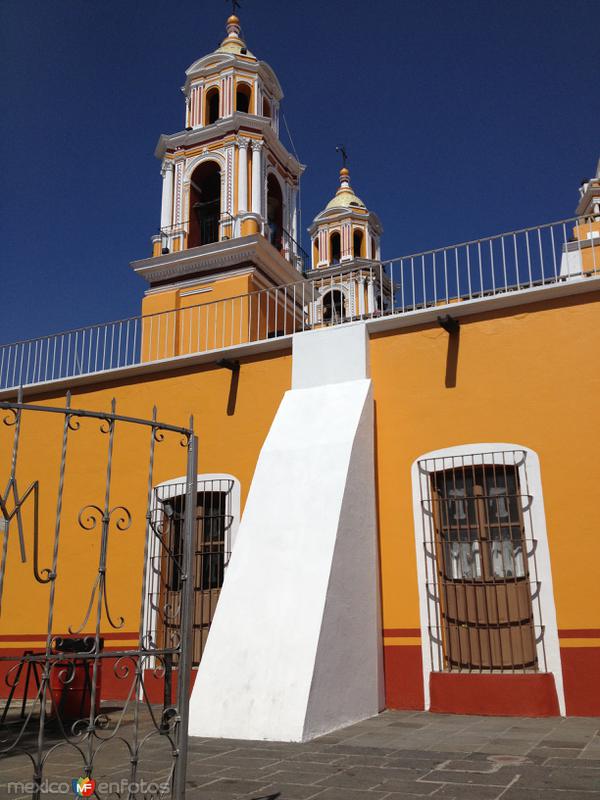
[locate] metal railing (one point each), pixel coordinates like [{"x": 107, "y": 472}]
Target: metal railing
[
  {"x": 483, "y": 268},
  {"x": 209, "y": 229},
  {"x": 283, "y": 241}
]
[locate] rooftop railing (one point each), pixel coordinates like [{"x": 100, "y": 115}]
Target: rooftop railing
[
  {"x": 506, "y": 264},
  {"x": 220, "y": 227}
]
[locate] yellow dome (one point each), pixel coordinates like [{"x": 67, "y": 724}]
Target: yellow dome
[
  {"x": 345, "y": 196},
  {"x": 233, "y": 43}
]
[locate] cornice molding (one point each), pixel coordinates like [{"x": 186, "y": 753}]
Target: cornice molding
[
  {"x": 237, "y": 123},
  {"x": 218, "y": 258}
]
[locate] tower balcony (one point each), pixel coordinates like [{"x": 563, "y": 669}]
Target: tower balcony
[{"x": 212, "y": 228}]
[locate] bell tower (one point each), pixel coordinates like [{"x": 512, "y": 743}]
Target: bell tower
[
  {"x": 229, "y": 186},
  {"x": 345, "y": 230},
  {"x": 348, "y": 280}
]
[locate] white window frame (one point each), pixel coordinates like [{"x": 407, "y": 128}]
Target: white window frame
[
  {"x": 535, "y": 527},
  {"x": 172, "y": 488}
]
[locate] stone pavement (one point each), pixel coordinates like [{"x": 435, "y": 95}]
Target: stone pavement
[
  {"x": 401, "y": 755},
  {"x": 393, "y": 756}
]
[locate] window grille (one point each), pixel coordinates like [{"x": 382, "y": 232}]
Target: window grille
[
  {"x": 484, "y": 612},
  {"x": 212, "y": 549}
]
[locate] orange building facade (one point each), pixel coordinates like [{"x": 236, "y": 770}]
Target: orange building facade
[{"x": 482, "y": 360}]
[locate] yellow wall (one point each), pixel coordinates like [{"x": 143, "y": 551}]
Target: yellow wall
[
  {"x": 206, "y": 324},
  {"x": 227, "y": 443},
  {"x": 524, "y": 377}
]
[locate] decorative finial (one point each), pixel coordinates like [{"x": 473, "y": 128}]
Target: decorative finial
[
  {"x": 233, "y": 22},
  {"x": 344, "y": 172}
]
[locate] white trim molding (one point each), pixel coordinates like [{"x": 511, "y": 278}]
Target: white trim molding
[
  {"x": 544, "y": 608},
  {"x": 175, "y": 487}
]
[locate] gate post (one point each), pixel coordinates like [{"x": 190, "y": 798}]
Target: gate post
[{"x": 187, "y": 617}]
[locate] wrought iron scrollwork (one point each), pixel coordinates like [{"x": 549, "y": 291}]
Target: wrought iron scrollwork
[{"x": 40, "y": 719}]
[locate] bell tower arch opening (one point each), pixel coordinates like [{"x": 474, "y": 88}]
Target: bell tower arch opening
[
  {"x": 357, "y": 244},
  {"x": 205, "y": 204},
  {"x": 275, "y": 212},
  {"x": 243, "y": 96},
  {"x": 212, "y": 106},
  {"x": 335, "y": 247},
  {"x": 333, "y": 307}
]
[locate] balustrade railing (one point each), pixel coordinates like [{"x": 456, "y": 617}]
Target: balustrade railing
[{"x": 514, "y": 262}]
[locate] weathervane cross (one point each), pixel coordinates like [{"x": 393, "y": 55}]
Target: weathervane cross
[
  {"x": 341, "y": 149},
  {"x": 235, "y": 4}
]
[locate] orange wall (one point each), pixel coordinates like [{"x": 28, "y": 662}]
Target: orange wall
[
  {"x": 228, "y": 444},
  {"x": 215, "y": 318},
  {"x": 525, "y": 377}
]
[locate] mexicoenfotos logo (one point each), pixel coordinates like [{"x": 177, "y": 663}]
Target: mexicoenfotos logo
[{"x": 83, "y": 787}]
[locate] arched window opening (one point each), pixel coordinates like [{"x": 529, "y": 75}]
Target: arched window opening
[
  {"x": 333, "y": 307},
  {"x": 357, "y": 243},
  {"x": 274, "y": 212},
  {"x": 216, "y": 517},
  {"x": 316, "y": 251},
  {"x": 266, "y": 109},
  {"x": 212, "y": 106},
  {"x": 335, "y": 247},
  {"x": 242, "y": 98},
  {"x": 478, "y": 533},
  {"x": 205, "y": 204}
]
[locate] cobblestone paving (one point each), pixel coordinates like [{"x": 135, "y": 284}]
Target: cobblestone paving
[
  {"x": 393, "y": 756},
  {"x": 401, "y": 755}
]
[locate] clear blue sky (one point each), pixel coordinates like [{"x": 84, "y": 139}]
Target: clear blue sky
[{"x": 462, "y": 118}]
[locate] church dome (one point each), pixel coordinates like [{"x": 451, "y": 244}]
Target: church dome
[
  {"x": 345, "y": 197},
  {"x": 233, "y": 43}
]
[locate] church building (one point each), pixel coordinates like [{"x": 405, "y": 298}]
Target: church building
[{"x": 397, "y": 468}]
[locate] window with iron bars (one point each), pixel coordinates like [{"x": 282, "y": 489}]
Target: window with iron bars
[
  {"x": 482, "y": 583},
  {"x": 214, "y": 519}
]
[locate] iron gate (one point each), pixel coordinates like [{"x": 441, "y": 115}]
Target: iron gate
[{"x": 94, "y": 705}]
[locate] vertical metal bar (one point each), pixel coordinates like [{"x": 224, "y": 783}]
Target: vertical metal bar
[
  {"x": 516, "y": 261},
  {"x": 553, "y": 252},
  {"x": 45, "y": 679},
  {"x": 119, "y": 340},
  {"x": 594, "y": 241},
  {"x": 528, "y": 258},
  {"x": 112, "y": 345},
  {"x": 446, "y": 276},
  {"x": 539, "y": 233},
  {"x": 504, "y": 275},
  {"x": 187, "y": 627},
  {"x": 137, "y": 321},
  {"x": 469, "y": 272}
]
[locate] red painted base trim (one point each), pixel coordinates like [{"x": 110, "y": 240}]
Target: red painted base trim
[
  {"x": 581, "y": 677},
  {"x": 403, "y": 677},
  {"x": 494, "y": 695}
]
